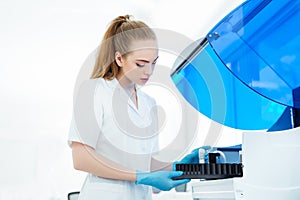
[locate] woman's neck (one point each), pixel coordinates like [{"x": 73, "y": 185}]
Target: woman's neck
[
  {"x": 129, "y": 88},
  {"x": 124, "y": 81},
  {"x": 128, "y": 85}
]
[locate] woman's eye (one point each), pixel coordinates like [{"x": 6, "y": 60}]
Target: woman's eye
[{"x": 140, "y": 65}]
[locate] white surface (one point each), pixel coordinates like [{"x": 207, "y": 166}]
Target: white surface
[
  {"x": 214, "y": 189},
  {"x": 271, "y": 165},
  {"x": 173, "y": 195}
]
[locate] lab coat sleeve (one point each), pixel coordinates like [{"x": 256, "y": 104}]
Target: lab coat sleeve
[{"x": 87, "y": 115}]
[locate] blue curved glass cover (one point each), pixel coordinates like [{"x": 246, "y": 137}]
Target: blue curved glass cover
[
  {"x": 246, "y": 73},
  {"x": 214, "y": 91},
  {"x": 260, "y": 43}
]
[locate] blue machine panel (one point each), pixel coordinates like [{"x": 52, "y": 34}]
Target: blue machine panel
[{"x": 246, "y": 73}]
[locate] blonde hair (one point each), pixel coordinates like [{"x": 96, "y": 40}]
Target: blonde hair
[{"x": 121, "y": 32}]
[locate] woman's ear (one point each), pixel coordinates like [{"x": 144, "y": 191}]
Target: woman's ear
[{"x": 119, "y": 59}]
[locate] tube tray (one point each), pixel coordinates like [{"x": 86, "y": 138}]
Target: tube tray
[{"x": 209, "y": 171}]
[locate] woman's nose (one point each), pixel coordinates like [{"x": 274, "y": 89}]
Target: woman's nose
[{"x": 149, "y": 69}]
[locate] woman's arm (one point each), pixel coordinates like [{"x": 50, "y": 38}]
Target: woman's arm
[{"x": 85, "y": 158}]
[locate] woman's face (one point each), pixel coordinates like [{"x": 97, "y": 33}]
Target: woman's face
[{"x": 138, "y": 65}]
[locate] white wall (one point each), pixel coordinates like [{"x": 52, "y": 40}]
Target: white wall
[{"x": 42, "y": 46}]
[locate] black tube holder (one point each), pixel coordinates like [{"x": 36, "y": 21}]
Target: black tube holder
[{"x": 209, "y": 171}]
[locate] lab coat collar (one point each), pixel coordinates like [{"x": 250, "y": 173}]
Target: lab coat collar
[
  {"x": 115, "y": 85},
  {"x": 112, "y": 83}
]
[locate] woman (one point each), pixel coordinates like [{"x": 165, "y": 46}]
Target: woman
[{"x": 114, "y": 129}]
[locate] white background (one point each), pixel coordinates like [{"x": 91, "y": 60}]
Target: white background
[{"x": 43, "y": 44}]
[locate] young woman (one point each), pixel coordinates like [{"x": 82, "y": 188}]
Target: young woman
[{"x": 114, "y": 130}]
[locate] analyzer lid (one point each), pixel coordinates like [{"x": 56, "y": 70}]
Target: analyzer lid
[
  {"x": 245, "y": 73},
  {"x": 259, "y": 42}
]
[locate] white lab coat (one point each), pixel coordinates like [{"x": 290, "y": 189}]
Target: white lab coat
[{"x": 120, "y": 132}]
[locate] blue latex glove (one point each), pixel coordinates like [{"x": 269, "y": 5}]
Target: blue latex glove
[
  {"x": 161, "y": 179},
  {"x": 193, "y": 157}
]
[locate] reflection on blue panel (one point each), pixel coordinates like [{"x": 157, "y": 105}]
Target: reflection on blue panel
[
  {"x": 259, "y": 42},
  {"x": 214, "y": 91}
]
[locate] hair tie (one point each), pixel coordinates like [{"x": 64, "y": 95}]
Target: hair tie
[{"x": 126, "y": 18}]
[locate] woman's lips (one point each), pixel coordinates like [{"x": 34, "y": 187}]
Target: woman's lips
[{"x": 144, "y": 79}]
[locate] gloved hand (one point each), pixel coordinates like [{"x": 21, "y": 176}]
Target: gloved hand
[
  {"x": 161, "y": 179},
  {"x": 193, "y": 157}
]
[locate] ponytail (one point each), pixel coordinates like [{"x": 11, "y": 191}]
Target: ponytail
[{"x": 118, "y": 37}]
